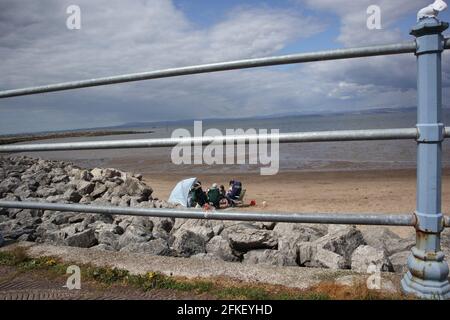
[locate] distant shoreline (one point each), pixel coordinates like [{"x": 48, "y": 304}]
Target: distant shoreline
[{"x": 67, "y": 134}]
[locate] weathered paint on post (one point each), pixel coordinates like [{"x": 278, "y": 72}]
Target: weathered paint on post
[{"x": 427, "y": 275}]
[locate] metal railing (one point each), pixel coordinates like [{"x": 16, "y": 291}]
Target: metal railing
[{"x": 428, "y": 272}]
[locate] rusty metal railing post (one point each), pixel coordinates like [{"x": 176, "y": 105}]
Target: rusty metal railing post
[{"x": 427, "y": 275}]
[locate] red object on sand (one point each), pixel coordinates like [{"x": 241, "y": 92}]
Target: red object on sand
[{"x": 253, "y": 203}]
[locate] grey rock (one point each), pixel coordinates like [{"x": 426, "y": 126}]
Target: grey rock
[
  {"x": 83, "y": 239},
  {"x": 27, "y": 237},
  {"x": 205, "y": 228},
  {"x": 53, "y": 236},
  {"x": 9, "y": 184},
  {"x": 85, "y": 200},
  {"x": 311, "y": 255},
  {"x": 153, "y": 247},
  {"x": 385, "y": 239},
  {"x": 45, "y": 192},
  {"x": 23, "y": 192},
  {"x": 364, "y": 256},
  {"x": 61, "y": 188},
  {"x": 110, "y": 173},
  {"x": 268, "y": 257},
  {"x": 163, "y": 224},
  {"x": 134, "y": 234},
  {"x": 111, "y": 227},
  {"x": 81, "y": 174},
  {"x": 246, "y": 237},
  {"x": 108, "y": 238},
  {"x": 57, "y": 198},
  {"x": 333, "y": 250},
  {"x": 265, "y": 225},
  {"x": 80, "y": 217},
  {"x": 290, "y": 234},
  {"x": 84, "y": 187},
  {"x": 342, "y": 240},
  {"x": 399, "y": 261},
  {"x": 61, "y": 178},
  {"x": 138, "y": 176},
  {"x": 60, "y": 218},
  {"x": 328, "y": 259},
  {"x": 97, "y": 175},
  {"x": 72, "y": 196},
  {"x": 10, "y": 229},
  {"x": 143, "y": 222},
  {"x": 44, "y": 228},
  {"x": 220, "y": 247},
  {"x": 99, "y": 190},
  {"x": 188, "y": 243}
]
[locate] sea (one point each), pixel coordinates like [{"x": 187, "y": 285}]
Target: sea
[{"x": 315, "y": 156}]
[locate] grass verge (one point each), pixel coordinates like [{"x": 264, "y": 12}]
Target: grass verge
[{"x": 217, "y": 288}]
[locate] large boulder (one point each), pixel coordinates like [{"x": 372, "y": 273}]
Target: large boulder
[
  {"x": 22, "y": 222},
  {"x": 312, "y": 255},
  {"x": 97, "y": 175},
  {"x": 80, "y": 174},
  {"x": 83, "y": 239},
  {"x": 342, "y": 240},
  {"x": 333, "y": 250},
  {"x": 153, "y": 247},
  {"x": 84, "y": 187},
  {"x": 99, "y": 190},
  {"x": 188, "y": 243},
  {"x": 328, "y": 259},
  {"x": 269, "y": 257},
  {"x": 44, "y": 192},
  {"x": 220, "y": 248},
  {"x": 290, "y": 234},
  {"x": 132, "y": 186},
  {"x": 9, "y": 185},
  {"x": 23, "y": 191},
  {"x": 206, "y": 228},
  {"x": 143, "y": 222},
  {"x": 134, "y": 234},
  {"x": 72, "y": 195},
  {"x": 384, "y": 239},
  {"x": 245, "y": 237},
  {"x": 108, "y": 234},
  {"x": 365, "y": 256}
]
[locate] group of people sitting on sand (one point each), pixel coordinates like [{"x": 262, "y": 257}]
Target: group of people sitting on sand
[{"x": 215, "y": 196}]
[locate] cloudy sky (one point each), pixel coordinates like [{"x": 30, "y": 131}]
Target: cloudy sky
[{"x": 36, "y": 48}]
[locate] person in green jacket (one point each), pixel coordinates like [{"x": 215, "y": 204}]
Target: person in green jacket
[{"x": 214, "y": 196}]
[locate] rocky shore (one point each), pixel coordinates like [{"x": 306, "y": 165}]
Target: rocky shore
[{"x": 304, "y": 245}]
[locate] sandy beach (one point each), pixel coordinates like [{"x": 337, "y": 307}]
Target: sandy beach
[{"x": 374, "y": 191}]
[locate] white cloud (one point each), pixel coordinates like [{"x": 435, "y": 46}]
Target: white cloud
[
  {"x": 118, "y": 37},
  {"x": 353, "y": 17}
]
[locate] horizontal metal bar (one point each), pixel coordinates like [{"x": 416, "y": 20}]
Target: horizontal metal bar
[
  {"x": 389, "y": 49},
  {"x": 328, "y": 218},
  {"x": 296, "y": 137}
]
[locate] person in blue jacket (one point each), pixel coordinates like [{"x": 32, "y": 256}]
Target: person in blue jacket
[{"x": 234, "y": 192}]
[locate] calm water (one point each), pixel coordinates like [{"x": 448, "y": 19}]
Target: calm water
[{"x": 306, "y": 156}]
